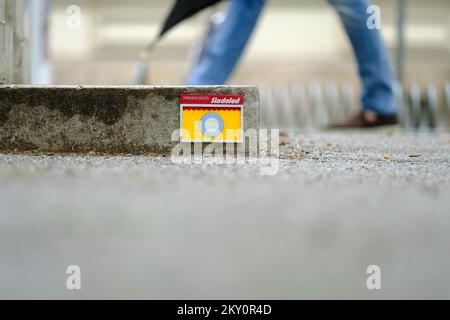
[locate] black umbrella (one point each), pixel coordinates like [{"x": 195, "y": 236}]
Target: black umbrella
[{"x": 182, "y": 10}]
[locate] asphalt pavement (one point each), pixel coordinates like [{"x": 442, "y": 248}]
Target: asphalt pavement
[{"x": 144, "y": 227}]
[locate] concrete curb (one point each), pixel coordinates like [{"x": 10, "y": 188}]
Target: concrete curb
[{"x": 122, "y": 119}]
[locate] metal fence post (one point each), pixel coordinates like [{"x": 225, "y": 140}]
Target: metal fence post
[{"x": 400, "y": 54}]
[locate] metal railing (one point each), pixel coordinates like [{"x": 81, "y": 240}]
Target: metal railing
[{"x": 316, "y": 105}]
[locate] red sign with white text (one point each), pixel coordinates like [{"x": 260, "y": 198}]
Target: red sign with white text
[{"x": 215, "y": 99}]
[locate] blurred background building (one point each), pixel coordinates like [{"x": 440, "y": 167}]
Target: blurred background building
[
  {"x": 299, "y": 46},
  {"x": 296, "y": 40}
]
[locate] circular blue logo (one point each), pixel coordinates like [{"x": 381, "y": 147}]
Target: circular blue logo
[{"x": 211, "y": 125}]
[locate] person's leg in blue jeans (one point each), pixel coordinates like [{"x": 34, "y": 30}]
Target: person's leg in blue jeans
[
  {"x": 227, "y": 43},
  {"x": 377, "y": 80}
]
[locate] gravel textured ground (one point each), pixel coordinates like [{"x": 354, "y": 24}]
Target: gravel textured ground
[{"x": 143, "y": 227}]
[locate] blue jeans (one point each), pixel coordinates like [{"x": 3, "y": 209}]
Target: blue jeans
[{"x": 229, "y": 41}]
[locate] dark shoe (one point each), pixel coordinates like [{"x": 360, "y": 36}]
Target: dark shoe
[{"x": 367, "y": 119}]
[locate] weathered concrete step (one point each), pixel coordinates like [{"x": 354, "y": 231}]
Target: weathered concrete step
[{"x": 130, "y": 119}]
